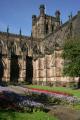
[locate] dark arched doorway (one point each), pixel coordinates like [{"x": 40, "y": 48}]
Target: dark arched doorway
[
  {"x": 1, "y": 68},
  {"x": 14, "y": 69},
  {"x": 29, "y": 70}
]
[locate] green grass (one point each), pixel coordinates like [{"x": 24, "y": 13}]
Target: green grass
[
  {"x": 10, "y": 115},
  {"x": 77, "y": 107},
  {"x": 60, "y": 89}
]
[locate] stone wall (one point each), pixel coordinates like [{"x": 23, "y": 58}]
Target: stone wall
[
  {"x": 48, "y": 70},
  {"x": 13, "y": 52}
]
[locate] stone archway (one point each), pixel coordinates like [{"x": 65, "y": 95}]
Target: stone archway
[
  {"x": 29, "y": 69},
  {"x": 1, "y": 68},
  {"x": 14, "y": 69}
]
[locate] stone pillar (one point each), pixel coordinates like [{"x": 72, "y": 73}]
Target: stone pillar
[
  {"x": 34, "y": 72},
  {"x": 50, "y": 69},
  {"x": 58, "y": 66},
  {"x": 42, "y": 71},
  {"x": 24, "y": 69},
  {"x": 4, "y": 63},
  {"x": 37, "y": 70},
  {"x": 7, "y": 70},
  {"x": 22, "y": 73}
]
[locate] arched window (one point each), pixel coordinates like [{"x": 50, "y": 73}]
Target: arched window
[
  {"x": 47, "y": 30},
  {"x": 13, "y": 48},
  {"x": 52, "y": 27},
  {"x": 1, "y": 46}
]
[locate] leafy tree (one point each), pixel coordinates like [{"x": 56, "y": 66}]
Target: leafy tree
[{"x": 71, "y": 56}]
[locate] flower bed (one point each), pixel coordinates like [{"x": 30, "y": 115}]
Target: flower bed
[
  {"x": 35, "y": 98},
  {"x": 55, "y": 97},
  {"x": 51, "y": 92},
  {"x": 13, "y": 101}
]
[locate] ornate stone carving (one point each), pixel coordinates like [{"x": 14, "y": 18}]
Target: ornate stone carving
[{"x": 23, "y": 46}]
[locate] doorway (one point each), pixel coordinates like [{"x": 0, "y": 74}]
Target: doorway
[{"x": 1, "y": 68}]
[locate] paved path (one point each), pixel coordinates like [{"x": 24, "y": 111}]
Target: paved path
[
  {"x": 16, "y": 89},
  {"x": 65, "y": 113}
]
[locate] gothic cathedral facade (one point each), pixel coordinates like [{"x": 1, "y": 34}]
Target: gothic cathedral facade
[{"x": 37, "y": 59}]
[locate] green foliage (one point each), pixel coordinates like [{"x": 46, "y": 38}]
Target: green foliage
[{"x": 71, "y": 56}]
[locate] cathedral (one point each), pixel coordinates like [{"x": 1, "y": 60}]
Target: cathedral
[{"x": 37, "y": 59}]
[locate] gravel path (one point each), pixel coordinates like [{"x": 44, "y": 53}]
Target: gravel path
[
  {"x": 65, "y": 113},
  {"x": 15, "y": 89}
]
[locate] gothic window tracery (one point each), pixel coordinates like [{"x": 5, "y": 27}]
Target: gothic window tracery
[
  {"x": 1, "y": 46},
  {"x": 24, "y": 47},
  {"x": 47, "y": 29},
  {"x": 11, "y": 48},
  {"x": 52, "y": 27}
]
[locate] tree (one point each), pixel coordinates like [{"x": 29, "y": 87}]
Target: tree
[{"x": 71, "y": 56}]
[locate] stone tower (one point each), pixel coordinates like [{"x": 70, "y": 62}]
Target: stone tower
[{"x": 44, "y": 24}]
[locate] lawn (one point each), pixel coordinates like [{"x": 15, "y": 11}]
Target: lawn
[
  {"x": 11, "y": 115},
  {"x": 60, "y": 89}
]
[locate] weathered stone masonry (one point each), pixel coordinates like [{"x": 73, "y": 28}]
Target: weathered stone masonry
[{"x": 37, "y": 59}]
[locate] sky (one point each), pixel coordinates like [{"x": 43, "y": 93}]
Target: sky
[{"x": 18, "y": 13}]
